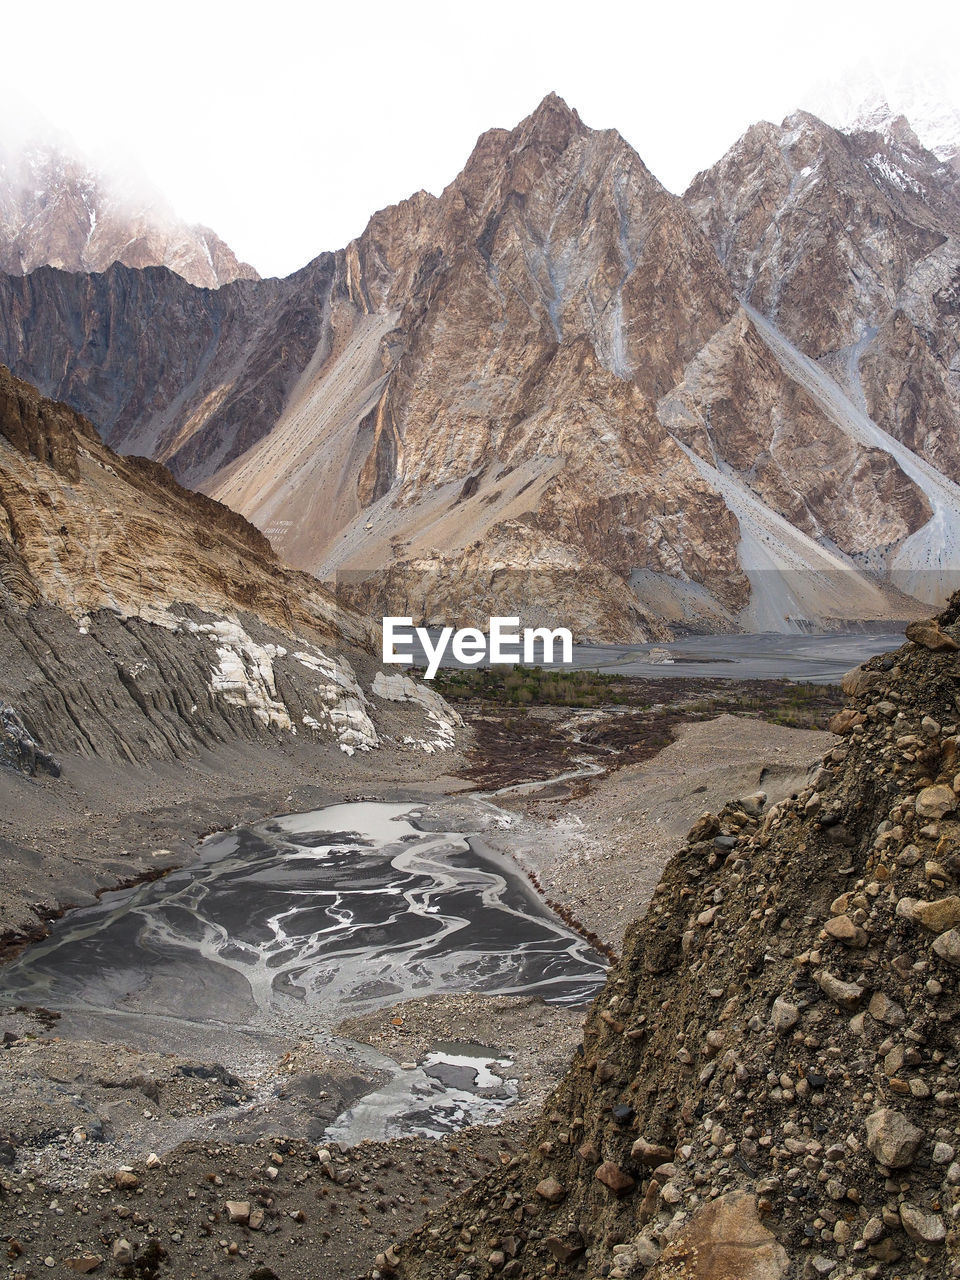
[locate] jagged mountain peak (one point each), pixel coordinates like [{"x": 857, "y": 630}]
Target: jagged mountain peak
[
  {"x": 409, "y": 400},
  {"x": 881, "y": 118},
  {"x": 553, "y": 121},
  {"x": 872, "y": 98}
]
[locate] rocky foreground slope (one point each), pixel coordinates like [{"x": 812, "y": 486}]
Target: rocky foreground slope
[
  {"x": 542, "y": 392},
  {"x": 769, "y": 1085}
]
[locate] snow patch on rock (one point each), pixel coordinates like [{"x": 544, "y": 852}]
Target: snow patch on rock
[
  {"x": 343, "y": 707},
  {"x": 243, "y": 674},
  {"x": 893, "y": 173},
  {"x": 442, "y": 720}
]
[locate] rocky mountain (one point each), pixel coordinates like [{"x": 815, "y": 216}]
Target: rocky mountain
[
  {"x": 142, "y": 625},
  {"x": 103, "y": 343},
  {"x": 849, "y": 245},
  {"x": 554, "y": 390},
  {"x": 56, "y": 210},
  {"x": 767, "y": 1087}
]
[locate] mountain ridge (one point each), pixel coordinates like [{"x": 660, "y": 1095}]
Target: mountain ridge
[{"x": 474, "y": 391}]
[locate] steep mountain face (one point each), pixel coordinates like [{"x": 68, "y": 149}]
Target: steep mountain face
[
  {"x": 558, "y": 363},
  {"x": 767, "y": 1086},
  {"x": 56, "y": 211},
  {"x": 850, "y": 246},
  {"x": 538, "y": 393},
  {"x": 142, "y": 622},
  {"x": 152, "y": 359}
]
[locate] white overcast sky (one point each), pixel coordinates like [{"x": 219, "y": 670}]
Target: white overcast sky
[{"x": 284, "y": 126}]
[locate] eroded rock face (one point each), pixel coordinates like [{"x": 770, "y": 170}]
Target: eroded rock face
[
  {"x": 19, "y": 750},
  {"x": 94, "y": 530},
  {"x": 140, "y": 621},
  {"x": 56, "y": 211},
  {"x": 848, "y": 243},
  {"x": 188, "y": 376}
]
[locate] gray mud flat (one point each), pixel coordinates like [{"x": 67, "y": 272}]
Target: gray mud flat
[
  {"x": 288, "y": 927},
  {"x": 812, "y": 658},
  {"x": 455, "y": 1085},
  {"x": 310, "y": 916}
]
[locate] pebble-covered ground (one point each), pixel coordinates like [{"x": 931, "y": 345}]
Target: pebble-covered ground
[{"x": 769, "y": 1085}]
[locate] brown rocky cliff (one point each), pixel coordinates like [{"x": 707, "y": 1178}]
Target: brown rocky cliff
[
  {"x": 48, "y": 431},
  {"x": 739, "y": 404},
  {"x": 556, "y": 238},
  {"x": 94, "y": 530}
]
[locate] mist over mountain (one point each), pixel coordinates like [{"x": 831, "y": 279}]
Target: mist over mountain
[
  {"x": 872, "y": 96},
  {"x": 59, "y": 210}
]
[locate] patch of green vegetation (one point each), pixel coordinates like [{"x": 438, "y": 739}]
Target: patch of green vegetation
[
  {"x": 798, "y": 706},
  {"x": 531, "y": 686}
]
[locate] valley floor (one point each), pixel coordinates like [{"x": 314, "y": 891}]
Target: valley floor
[{"x": 76, "y": 1108}]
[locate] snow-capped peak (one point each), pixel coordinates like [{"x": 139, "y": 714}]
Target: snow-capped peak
[{"x": 876, "y": 98}]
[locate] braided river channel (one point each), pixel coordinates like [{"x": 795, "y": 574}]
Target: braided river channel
[{"x": 303, "y": 920}]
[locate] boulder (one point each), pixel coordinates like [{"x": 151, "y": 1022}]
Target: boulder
[
  {"x": 846, "y": 994},
  {"x": 84, "y": 1263},
  {"x": 936, "y": 802},
  {"x": 922, "y": 1226},
  {"x": 930, "y": 635},
  {"x": 947, "y": 946},
  {"x": 725, "y": 1239},
  {"x": 845, "y": 721},
  {"x": 940, "y": 915},
  {"x": 651, "y": 1153},
  {"x": 705, "y": 828},
  {"x": 614, "y": 1178},
  {"x": 783, "y": 1015},
  {"x": 859, "y": 681},
  {"x": 842, "y": 929},
  {"x": 891, "y": 1138},
  {"x": 886, "y": 1010}
]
